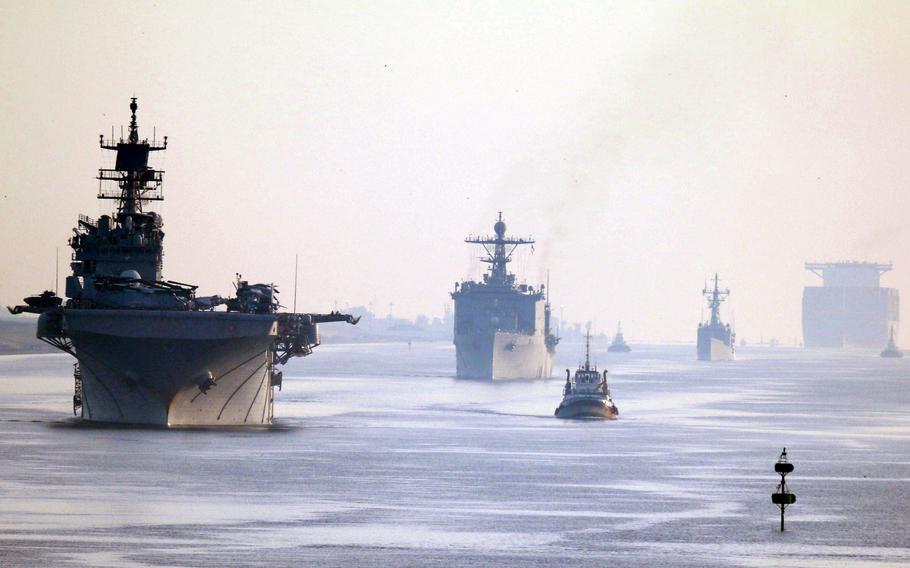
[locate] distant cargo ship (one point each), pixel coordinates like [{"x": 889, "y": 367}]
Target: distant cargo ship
[
  {"x": 502, "y": 329},
  {"x": 716, "y": 340},
  {"x": 850, "y": 309}
]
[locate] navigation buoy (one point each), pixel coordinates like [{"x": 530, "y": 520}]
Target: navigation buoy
[{"x": 783, "y": 497}]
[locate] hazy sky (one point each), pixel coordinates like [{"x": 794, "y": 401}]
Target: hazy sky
[{"x": 644, "y": 146}]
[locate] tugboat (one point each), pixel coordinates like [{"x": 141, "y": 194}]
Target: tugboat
[
  {"x": 587, "y": 394},
  {"x": 619, "y": 344},
  {"x": 716, "y": 340},
  {"x": 150, "y": 351},
  {"x": 891, "y": 351}
]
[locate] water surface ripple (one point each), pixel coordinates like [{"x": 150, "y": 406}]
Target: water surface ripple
[{"x": 380, "y": 457}]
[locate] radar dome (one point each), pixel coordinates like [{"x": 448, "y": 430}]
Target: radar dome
[
  {"x": 500, "y": 228},
  {"x": 131, "y": 274}
]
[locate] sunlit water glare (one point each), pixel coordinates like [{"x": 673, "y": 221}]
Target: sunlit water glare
[{"x": 380, "y": 457}]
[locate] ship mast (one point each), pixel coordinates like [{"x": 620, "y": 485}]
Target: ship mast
[
  {"x": 133, "y": 181},
  {"x": 715, "y": 298},
  {"x": 499, "y": 249},
  {"x": 588, "y": 351}
]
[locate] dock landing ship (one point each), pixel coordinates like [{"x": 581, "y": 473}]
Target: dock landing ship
[
  {"x": 716, "y": 340},
  {"x": 150, "y": 351},
  {"x": 502, "y": 330}
]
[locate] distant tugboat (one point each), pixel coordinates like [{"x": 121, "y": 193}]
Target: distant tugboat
[
  {"x": 716, "y": 340},
  {"x": 619, "y": 344},
  {"x": 891, "y": 351},
  {"x": 587, "y": 395}
]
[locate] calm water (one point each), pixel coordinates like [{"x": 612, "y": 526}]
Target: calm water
[{"x": 381, "y": 458}]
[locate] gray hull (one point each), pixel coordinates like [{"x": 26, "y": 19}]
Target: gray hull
[
  {"x": 591, "y": 408},
  {"x": 715, "y": 344},
  {"x": 151, "y": 367},
  {"x": 502, "y": 356}
]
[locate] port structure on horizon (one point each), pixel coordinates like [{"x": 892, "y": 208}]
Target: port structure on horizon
[{"x": 850, "y": 309}]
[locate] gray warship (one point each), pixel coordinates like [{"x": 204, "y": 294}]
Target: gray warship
[
  {"x": 502, "y": 330},
  {"x": 716, "y": 340},
  {"x": 148, "y": 350},
  {"x": 586, "y": 395}
]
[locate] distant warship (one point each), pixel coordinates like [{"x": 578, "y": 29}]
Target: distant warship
[
  {"x": 502, "y": 330},
  {"x": 148, "y": 350},
  {"x": 619, "y": 344},
  {"x": 891, "y": 351},
  {"x": 716, "y": 340},
  {"x": 587, "y": 395}
]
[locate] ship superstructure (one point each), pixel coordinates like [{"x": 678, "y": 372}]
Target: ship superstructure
[
  {"x": 851, "y": 308},
  {"x": 716, "y": 340},
  {"x": 502, "y": 329},
  {"x": 148, "y": 350},
  {"x": 587, "y": 395}
]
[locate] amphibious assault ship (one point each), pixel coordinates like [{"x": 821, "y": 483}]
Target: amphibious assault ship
[
  {"x": 850, "y": 308},
  {"x": 619, "y": 344},
  {"x": 587, "y": 394},
  {"x": 502, "y": 330},
  {"x": 716, "y": 340},
  {"x": 149, "y": 350}
]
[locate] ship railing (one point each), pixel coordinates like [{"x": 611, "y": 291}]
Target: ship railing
[
  {"x": 86, "y": 220},
  {"x": 112, "y": 190},
  {"x": 154, "y": 143},
  {"x": 148, "y": 176},
  {"x": 147, "y": 195}
]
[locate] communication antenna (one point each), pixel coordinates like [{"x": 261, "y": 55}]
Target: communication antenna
[{"x": 295, "y": 282}]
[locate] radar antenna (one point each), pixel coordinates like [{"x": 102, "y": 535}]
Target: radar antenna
[
  {"x": 132, "y": 182},
  {"x": 499, "y": 249},
  {"x": 715, "y": 298}
]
